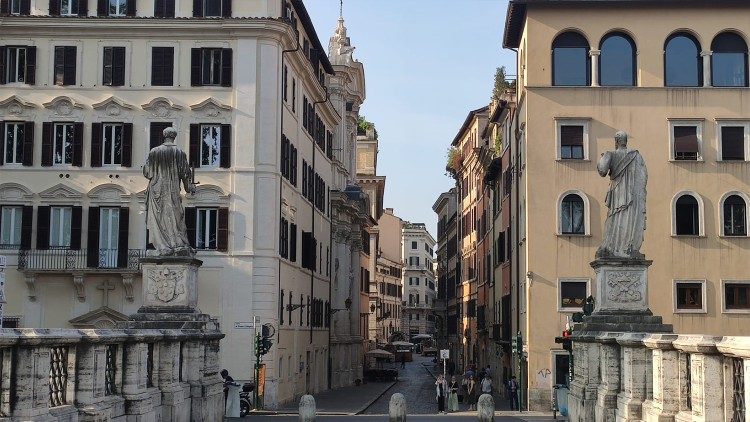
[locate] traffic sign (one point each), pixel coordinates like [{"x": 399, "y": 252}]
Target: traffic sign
[
  {"x": 248, "y": 325},
  {"x": 445, "y": 354}
]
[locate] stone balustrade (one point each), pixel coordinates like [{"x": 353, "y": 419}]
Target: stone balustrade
[
  {"x": 112, "y": 375},
  {"x": 625, "y": 376}
]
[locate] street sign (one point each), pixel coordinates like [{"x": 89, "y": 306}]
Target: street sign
[
  {"x": 445, "y": 354},
  {"x": 239, "y": 325}
]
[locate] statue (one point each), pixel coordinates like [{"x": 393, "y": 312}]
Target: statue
[
  {"x": 166, "y": 168},
  {"x": 626, "y": 200}
]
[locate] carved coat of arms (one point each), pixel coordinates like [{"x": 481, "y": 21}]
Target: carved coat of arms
[
  {"x": 624, "y": 287},
  {"x": 166, "y": 284}
]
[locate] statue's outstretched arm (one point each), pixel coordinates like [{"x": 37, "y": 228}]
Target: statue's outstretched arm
[{"x": 603, "y": 165}]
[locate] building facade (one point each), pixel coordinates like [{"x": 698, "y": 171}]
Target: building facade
[
  {"x": 386, "y": 290},
  {"x": 676, "y": 80},
  {"x": 446, "y": 209},
  {"x": 419, "y": 283},
  {"x": 84, "y": 100}
]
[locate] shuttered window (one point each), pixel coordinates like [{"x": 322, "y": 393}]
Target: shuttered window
[
  {"x": 162, "y": 66},
  {"x": 686, "y": 143},
  {"x": 17, "y": 143},
  {"x": 208, "y": 228},
  {"x": 211, "y": 67},
  {"x": 18, "y": 64},
  {"x": 210, "y": 145},
  {"x": 156, "y": 133},
  {"x": 111, "y": 144},
  {"x": 65, "y": 65},
  {"x": 15, "y": 7},
  {"x": 164, "y": 8},
  {"x": 571, "y": 142},
  {"x": 733, "y": 143},
  {"x": 212, "y": 8},
  {"x": 114, "y": 66}
]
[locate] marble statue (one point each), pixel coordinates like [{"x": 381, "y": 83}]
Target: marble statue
[
  {"x": 626, "y": 200},
  {"x": 166, "y": 169}
]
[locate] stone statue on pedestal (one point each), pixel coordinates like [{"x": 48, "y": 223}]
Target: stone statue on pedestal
[
  {"x": 626, "y": 200},
  {"x": 167, "y": 168}
]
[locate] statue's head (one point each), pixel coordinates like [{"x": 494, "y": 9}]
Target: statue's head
[
  {"x": 621, "y": 139},
  {"x": 170, "y": 134}
]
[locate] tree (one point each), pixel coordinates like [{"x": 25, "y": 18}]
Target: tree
[
  {"x": 363, "y": 126},
  {"x": 501, "y": 84}
]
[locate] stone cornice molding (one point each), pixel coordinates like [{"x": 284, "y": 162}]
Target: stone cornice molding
[
  {"x": 161, "y": 107},
  {"x": 14, "y": 192},
  {"x": 210, "y": 107},
  {"x": 16, "y": 106},
  {"x": 59, "y": 193},
  {"x": 112, "y": 106},
  {"x": 109, "y": 193},
  {"x": 208, "y": 194},
  {"x": 697, "y": 343}
]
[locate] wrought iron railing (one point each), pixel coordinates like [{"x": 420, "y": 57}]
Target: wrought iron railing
[{"x": 59, "y": 259}]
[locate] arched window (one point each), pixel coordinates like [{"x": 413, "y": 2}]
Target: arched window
[
  {"x": 617, "y": 62},
  {"x": 735, "y": 218},
  {"x": 682, "y": 61},
  {"x": 687, "y": 216},
  {"x": 572, "y": 213},
  {"x": 728, "y": 60},
  {"x": 571, "y": 64}
]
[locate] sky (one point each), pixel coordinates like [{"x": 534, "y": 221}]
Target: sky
[{"x": 427, "y": 64}]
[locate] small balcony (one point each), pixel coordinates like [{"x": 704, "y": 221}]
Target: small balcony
[{"x": 80, "y": 260}]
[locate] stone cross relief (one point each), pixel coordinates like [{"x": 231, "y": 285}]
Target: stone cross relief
[
  {"x": 624, "y": 287},
  {"x": 105, "y": 287}
]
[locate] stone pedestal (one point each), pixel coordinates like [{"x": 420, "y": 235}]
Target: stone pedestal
[
  {"x": 621, "y": 285},
  {"x": 170, "y": 284}
]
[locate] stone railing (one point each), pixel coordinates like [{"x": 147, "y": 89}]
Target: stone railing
[
  {"x": 61, "y": 374},
  {"x": 659, "y": 377}
]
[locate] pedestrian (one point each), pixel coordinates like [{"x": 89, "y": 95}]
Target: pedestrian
[
  {"x": 471, "y": 392},
  {"x": 228, "y": 380},
  {"x": 513, "y": 393},
  {"x": 453, "y": 395},
  {"x": 403, "y": 361},
  {"x": 441, "y": 391},
  {"x": 488, "y": 371},
  {"x": 487, "y": 384}
]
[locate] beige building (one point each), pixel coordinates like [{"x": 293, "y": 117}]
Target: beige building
[
  {"x": 418, "y": 281},
  {"x": 82, "y": 102},
  {"x": 674, "y": 75},
  {"x": 386, "y": 290}
]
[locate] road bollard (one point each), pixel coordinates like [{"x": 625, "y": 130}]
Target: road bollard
[
  {"x": 307, "y": 409},
  {"x": 397, "y": 408},
  {"x": 486, "y": 408}
]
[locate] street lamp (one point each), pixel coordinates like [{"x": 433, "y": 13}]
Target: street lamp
[{"x": 347, "y": 304}]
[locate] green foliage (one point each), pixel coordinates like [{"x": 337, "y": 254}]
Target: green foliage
[
  {"x": 501, "y": 84},
  {"x": 454, "y": 160},
  {"x": 363, "y": 126},
  {"x": 499, "y": 142}
]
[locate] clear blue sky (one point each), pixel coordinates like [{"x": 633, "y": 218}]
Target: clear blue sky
[{"x": 427, "y": 64}]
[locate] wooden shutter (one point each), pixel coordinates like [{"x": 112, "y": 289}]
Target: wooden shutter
[
  {"x": 26, "y": 226},
  {"x": 78, "y": 144},
  {"x": 42, "y": 227},
  {"x": 4, "y": 7},
  {"x": 118, "y": 66},
  {"x": 131, "y": 8},
  {"x": 197, "y": 8},
  {"x": 190, "y": 216},
  {"x": 157, "y": 133},
  {"x": 3, "y": 58},
  {"x": 226, "y": 8},
  {"x": 225, "y": 150},
  {"x": 59, "y": 66},
  {"x": 195, "y": 67},
  {"x": 76, "y": 219},
  {"x": 293, "y": 242},
  {"x": 571, "y": 135},
  {"x": 92, "y": 250},
  {"x": 127, "y": 145},
  {"x": 28, "y": 144},
  {"x": 30, "y": 73},
  {"x": 686, "y": 139},
  {"x": 96, "y": 144},
  {"x": 107, "y": 66},
  {"x": 26, "y": 7},
  {"x": 47, "y": 147},
  {"x": 102, "y": 7},
  {"x": 83, "y": 7},
  {"x": 2, "y": 145},
  {"x": 164, "y": 8},
  {"x": 122, "y": 238},
  {"x": 293, "y": 166},
  {"x": 195, "y": 145},
  {"x": 226, "y": 67},
  {"x": 54, "y": 7},
  {"x": 69, "y": 61},
  {"x": 222, "y": 242},
  {"x": 732, "y": 143}
]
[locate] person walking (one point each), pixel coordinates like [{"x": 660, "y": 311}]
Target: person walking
[
  {"x": 441, "y": 391},
  {"x": 453, "y": 395},
  {"x": 471, "y": 392},
  {"x": 403, "y": 361},
  {"x": 513, "y": 393}
]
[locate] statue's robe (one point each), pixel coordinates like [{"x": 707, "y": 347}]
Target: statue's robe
[
  {"x": 626, "y": 199},
  {"x": 166, "y": 168}
]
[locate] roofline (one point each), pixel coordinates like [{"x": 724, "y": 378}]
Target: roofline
[
  {"x": 467, "y": 122},
  {"x": 515, "y": 19},
  {"x": 307, "y": 23},
  {"x": 444, "y": 197}
]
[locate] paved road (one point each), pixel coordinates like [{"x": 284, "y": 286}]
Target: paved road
[
  {"x": 383, "y": 418},
  {"x": 416, "y": 384}
]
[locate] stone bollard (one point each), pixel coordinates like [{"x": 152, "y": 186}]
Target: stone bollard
[
  {"x": 307, "y": 408},
  {"x": 486, "y": 408},
  {"x": 397, "y": 408}
]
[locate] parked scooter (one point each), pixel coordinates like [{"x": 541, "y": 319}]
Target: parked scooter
[{"x": 246, "y": 399}]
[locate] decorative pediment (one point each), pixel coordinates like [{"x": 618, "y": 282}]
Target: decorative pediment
[
  {"x": 13, "y": 192},
  {"x": 63, "y": 106},
  {"x": 16, "y": 106},
  {"x": 102, "y": 318},
  {"x": 210, "y": 107},
  {"x": 209, "y": 194},
  {"x": 109, "y": 193},
  {"x": 112, "y": 106},
  {"x": 161, "y": 107},
  {"x": 60, "y": 192}
]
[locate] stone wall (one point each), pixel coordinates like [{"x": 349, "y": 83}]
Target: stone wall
[
  {"x": 110, "y": 375},
  {"x": 659, "y": 377}
]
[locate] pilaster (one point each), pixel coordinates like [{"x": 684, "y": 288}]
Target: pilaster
[
  {"x": 609, "y": 387},
  {"x": 634, "y": 374},
  {"x": 665, "y": 401}
]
